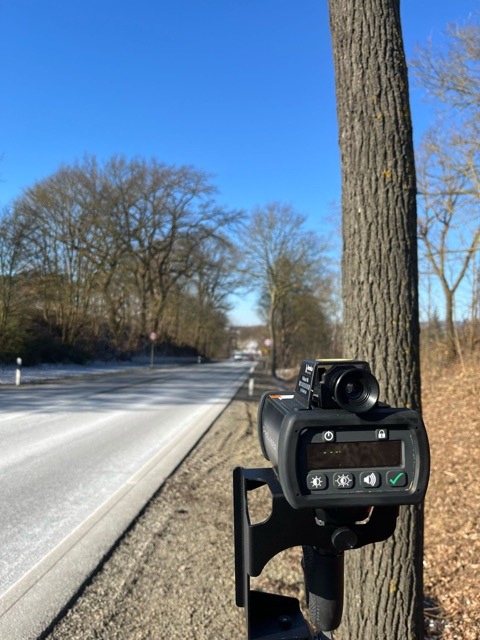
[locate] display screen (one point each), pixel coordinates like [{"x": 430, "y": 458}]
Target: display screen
[{"x": 351, "y": 455}]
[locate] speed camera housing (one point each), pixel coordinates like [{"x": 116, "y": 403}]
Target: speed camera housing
[{"x": 333, "y": 445}]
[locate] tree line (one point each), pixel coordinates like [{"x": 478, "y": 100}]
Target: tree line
[{"x": 96, "y": 258}]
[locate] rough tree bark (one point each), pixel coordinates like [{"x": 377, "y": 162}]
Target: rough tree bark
[{"x": 380, "y": 281}]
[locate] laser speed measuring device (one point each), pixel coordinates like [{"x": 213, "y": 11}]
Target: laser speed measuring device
[{"x": 332, "y": 444}]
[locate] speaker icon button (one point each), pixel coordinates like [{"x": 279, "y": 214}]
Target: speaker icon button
[{"x": 370, "y": 479}]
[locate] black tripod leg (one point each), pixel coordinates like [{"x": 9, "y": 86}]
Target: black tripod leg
[{"x": 324, "y": 587}]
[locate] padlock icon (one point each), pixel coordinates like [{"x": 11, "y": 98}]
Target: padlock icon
[{"x": 382, "y": 434}]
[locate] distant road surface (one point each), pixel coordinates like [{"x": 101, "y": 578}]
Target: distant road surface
[{"x": 78, "y": 460}]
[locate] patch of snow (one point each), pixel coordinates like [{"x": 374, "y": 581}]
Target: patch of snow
[{"x": 56, "y": 371}]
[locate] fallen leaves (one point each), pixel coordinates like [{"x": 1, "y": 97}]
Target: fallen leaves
[{"x": 451, "y": 411}]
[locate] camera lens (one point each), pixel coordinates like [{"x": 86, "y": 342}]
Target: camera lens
[
  {"x": 353, "y": 390},
  {"x": 356, "y": 390}
]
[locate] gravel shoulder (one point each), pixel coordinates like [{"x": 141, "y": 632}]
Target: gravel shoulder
[{"x": 172, "y": 574}]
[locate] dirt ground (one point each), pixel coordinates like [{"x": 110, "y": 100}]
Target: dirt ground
[{"x": 171, "y": 576}]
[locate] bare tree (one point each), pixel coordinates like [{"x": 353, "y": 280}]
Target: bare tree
[
  {"x": 161, "y": 215},
  {"x": 449, "y": 161},
  {"x": 451, "y": 72},
  {"x": 383, "y": 582},
  {"x": 304, "y": 326},
  {"x": 197, "y": 307},
  {"x": 449, "y": 224},
  {"x": 59, "y": 226},
  {"x": 215, "y": 278},
  {"x": 280, "y": 259}
]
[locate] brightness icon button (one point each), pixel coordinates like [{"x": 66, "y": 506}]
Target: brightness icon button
[
  {"x": 343, "y": 480},
  {"x": 316, "y": 481}
]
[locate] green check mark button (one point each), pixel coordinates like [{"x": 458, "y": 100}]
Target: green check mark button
[{"x": 396, "y": 478}]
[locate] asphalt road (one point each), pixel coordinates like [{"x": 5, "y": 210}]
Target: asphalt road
[{"x": 77, "y": 463}]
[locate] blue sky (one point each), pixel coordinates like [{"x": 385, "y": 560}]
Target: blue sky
[{"x": 242, "y": 89}]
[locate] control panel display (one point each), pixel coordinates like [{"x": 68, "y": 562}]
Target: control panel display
[
  {"x": 333, "y": 445},
  {"x": 360, "y": 455}
]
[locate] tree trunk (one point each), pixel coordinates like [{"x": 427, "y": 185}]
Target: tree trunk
[
  {"x": 383, "y": 594},
  {"x": 449, "y": 324},
  {"x": 271, "y": 324}
]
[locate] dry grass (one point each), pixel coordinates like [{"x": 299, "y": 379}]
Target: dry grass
[{"x": 452, "y": 530}]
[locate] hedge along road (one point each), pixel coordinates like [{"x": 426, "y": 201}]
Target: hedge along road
[{"x": 78, "y": 461}]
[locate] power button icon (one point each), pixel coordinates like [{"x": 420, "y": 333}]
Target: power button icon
[{"x": 328, "y": 436}]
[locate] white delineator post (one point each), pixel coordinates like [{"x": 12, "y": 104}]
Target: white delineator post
[
  {"x": 153, "y": 337},
  {"x": 18, "y": 372},
  {"x": 251, "y": 381}
]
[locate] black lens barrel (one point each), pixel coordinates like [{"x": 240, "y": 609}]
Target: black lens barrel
[{"x": 355, "y": 390}]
